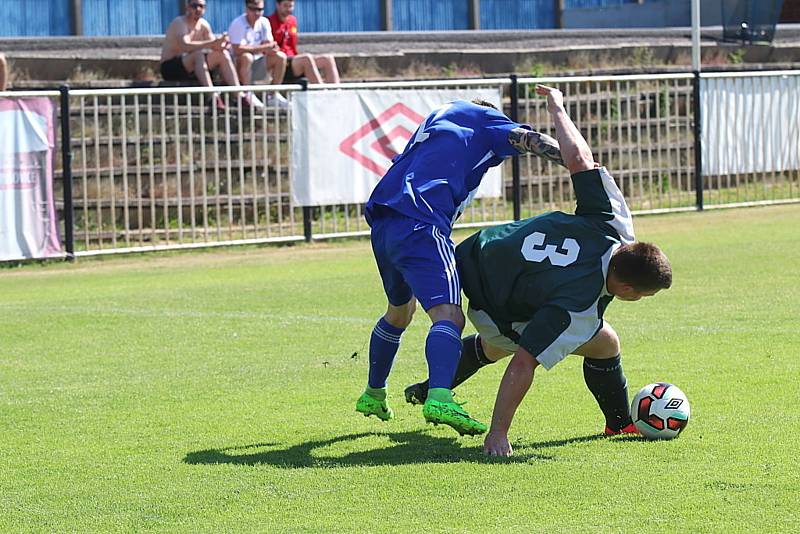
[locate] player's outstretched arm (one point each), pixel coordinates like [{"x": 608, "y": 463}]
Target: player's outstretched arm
[
  {"x": 515, "y": 384},
  {"x": 574, "y": 148},
  {"x": 536, "y": 143}
]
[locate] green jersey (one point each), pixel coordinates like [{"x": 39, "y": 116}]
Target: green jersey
[{"x": 543, "y": 280}]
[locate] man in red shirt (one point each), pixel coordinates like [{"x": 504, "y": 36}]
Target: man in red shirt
[{"x": 316, "y": 69}]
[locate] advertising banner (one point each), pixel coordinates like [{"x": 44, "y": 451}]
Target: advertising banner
[
  {"x": 28, "y": 220},
  {"x": 750, "y": 124},
  {"x": 344, "y": 141}
]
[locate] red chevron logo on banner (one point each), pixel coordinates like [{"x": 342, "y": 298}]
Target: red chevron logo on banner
[{"x": 374, "y": 144}]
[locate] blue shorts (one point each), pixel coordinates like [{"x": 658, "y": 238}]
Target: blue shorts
[{"x": 415, "y": 259}]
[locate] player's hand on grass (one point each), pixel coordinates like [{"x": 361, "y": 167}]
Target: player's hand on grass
[
  {"x": 555, "y": 99},
  {"x": 497, "y": 444}
]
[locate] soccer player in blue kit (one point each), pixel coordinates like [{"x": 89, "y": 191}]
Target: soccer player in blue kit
[
  {"x": 411, "y": 213},
  {"x": 538, "y": 289}
]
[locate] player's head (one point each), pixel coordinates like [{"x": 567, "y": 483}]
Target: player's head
[
  {"x": 638, "y": 270},
  {"x": 254, "y": 8},
  {"x": 284, "y": 8},
  {"x": 484, "y": 103},
  {"x": 196, "y": 8}
]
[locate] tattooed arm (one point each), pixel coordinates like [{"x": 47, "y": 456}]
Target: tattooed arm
[{"x": 538, "y": 144}]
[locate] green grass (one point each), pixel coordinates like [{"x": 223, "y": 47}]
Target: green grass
[{"x": 214, "y": 392}]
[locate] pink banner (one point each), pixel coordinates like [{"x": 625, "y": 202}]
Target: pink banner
[{"x": 28, "y": 219}]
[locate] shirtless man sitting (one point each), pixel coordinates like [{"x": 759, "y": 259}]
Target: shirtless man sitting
[{"x": 191, "y": 51}]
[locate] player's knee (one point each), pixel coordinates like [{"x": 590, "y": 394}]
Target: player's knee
[
  {"x": 448, "y": 312},
  {"x": 401, "y": 316},
  {"x": 606, "y": 343},
  {"x": 245, "y": 59},
  {"x": 493, "y": 353}
]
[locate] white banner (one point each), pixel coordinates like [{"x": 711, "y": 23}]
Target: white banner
[
  {"x": 750, "y": 124},
  {"x": 28, "y": 222},
  {"x": 344, "y": 141}
]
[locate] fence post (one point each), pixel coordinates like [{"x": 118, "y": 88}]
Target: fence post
[
  {"x": 474, "y": 14},
  {"x": 66, "y": 163},
  {"x": 698, "y": 144},
  {"x": 306, "y": 209},
  {"x": 76, "y": 25},
  {"x": 558, "y": 7},
  {"x": 515, "y": 171},
  {"x": 387, "y": 18}
]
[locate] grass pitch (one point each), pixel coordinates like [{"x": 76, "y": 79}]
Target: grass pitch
[{"x": 215, "y": 391}]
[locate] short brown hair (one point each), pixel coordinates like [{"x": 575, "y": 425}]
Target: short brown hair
[
  {"x": 643, "y": 266},
  {"x": 483, "y": 103}
]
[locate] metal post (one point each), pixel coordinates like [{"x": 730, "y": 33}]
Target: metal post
[
  {"x": 307, "y": 233},
  {"x": 698, "y": 144},
  {"x": 77, "y": 17},
  {"x": 558, "y": 6},
  {"x": 66, "y": 163},
  {"x": 696, "y": 35},
  {"x": 474, "y": 14},
  {"x": 515, "y": 170},
  {"x": 387, "y": 20}
]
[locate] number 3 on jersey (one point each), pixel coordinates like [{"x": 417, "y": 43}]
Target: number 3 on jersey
[{"x": 532, "y": 250}]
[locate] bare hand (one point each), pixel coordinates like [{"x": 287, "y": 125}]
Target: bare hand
[
  {"x": 555, "y": 99},
  {"x": 496, "y": 444}
]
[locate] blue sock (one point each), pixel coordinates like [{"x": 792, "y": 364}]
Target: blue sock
[
  {"x": 383, "y": 345},
  {"x": 442, "y": 350}
]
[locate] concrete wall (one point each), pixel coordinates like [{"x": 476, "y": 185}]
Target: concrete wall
[{"x": 650, "y": 14}]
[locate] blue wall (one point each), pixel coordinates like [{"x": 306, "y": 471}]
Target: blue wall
[
  {"x": 518, "y": 14},
  {"x": 572, "y": 4},
  {"x": 27, "y": 18},
  {"x": 336, "y": 15},
  {"x": 417, "y": 15},
  {"x": 127, "y": 17},
  {"x": 22, "y": 18}
]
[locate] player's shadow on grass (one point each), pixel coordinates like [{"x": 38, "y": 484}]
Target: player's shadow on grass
[{"x": 404, "y": 448}]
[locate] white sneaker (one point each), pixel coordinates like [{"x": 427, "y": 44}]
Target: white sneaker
[
  {"x": 277, "y": 100},
  {"x": 252, "y": 101}
]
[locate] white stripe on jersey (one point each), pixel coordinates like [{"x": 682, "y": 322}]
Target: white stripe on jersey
[
  {"x": 449, "y": 262},
  {"x": 623, "y": 221},
  {"x": 467, "y": 201}
]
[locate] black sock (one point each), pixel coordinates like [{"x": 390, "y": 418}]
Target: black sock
[
  {"x": 607, "y": 383},
  {"x": 472, "y": 359}
]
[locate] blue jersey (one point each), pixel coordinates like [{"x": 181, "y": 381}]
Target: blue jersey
[{"x": 441, "y": 167}]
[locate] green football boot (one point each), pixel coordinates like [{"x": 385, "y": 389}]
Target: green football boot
[
  {"x": 452, "y": 415},
  {"x": 369, "y": 405}
]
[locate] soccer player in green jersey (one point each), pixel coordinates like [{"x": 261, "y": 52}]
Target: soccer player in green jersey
[{"x": 538, "y": 289}]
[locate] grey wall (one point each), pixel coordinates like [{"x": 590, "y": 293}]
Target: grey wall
[{"x": 650, "y": 14}]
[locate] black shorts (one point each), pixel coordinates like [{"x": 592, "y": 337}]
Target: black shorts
[
  {"x": 290, "y": 77},
  {"x": 173, "y": 70}
]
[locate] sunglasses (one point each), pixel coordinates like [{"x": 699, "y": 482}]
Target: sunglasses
[
  {"x": 196, "y": 5},
  {"x": 255, "y": 9}
]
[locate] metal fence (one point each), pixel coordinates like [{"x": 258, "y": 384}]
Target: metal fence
[{"x": 149, "y": 169}]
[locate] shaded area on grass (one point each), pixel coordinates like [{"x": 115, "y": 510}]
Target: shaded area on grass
[{"x": 407, "y": 448}]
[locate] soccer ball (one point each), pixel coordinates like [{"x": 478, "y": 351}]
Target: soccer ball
[{"x": 660, "y": 411}]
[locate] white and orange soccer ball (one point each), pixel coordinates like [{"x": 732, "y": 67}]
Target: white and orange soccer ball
[{"x": 660, "y": 411}]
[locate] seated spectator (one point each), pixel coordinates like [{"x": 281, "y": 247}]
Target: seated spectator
[
  {"x": 256, "y": 52},
  {"x": 191, "y": 51},
  {"x": 3, "y": 73},
  {"x": 284, "y": 30}
]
